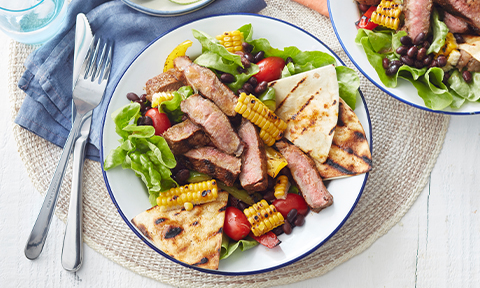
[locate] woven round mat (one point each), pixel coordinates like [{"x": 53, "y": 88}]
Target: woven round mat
[{"x": 406, "y": 143}]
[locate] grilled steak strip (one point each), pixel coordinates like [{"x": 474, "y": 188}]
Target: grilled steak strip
[
  {"x": 215, "y": 163},
  {"x": 468, "y": 10},
  {"x": 213, "y": 122},
  {"x": 185, "y": 136},
  {"x": 369, "y": 2},
  {"x": 454, "y": 24},
  {"x": 207, "y": 83},
  {"x": 254, "y": 159},
  {"x": 167, "y": 81},
  {"x": 306, "y": 176},
  {"x": 417, "y": 16}
]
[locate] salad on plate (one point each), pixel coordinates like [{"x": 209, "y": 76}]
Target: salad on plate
[{"x": 233, "y": 145}]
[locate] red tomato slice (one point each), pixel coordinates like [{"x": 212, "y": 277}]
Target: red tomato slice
[
  {"x": 270, "y": 69},
  {"x": 236, "y": 224},
  {"x": 365, "y": 21},
  {"x": 160, "y": 120},
  {"x": 268, "y": 239},
  {"x": 293, "y": 201}
]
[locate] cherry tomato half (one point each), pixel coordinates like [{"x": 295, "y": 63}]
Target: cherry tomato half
[
  {"x": 236, "y": 224},
  {"x": 292, "y": 201},
  {"x": 160, "y": 120},
  {"x": 270, "y": 69}
]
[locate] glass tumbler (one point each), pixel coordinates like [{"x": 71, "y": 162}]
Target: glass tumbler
[{"x": 32, "y": 21}]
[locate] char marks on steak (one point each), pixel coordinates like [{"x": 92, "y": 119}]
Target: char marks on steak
[
  {"x": 454, "y": 24},
  {"x": 207, "y": 83},
  {"x": 213, "y": 122},
  {"x": 468, "y": 10},
  {"x": 170, "y": 80},
  {"x": 417, "y": 16},
  {"x": 215, "y": 163},
  {"x": 185, "y": 136},
  {"x": 253, "y": 176},
  {"x": 306, "y": 176}
]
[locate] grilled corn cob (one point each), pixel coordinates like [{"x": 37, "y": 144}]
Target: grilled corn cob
[
  {"x": 271, "y": 126},
  {"x": 281, "y": 187},
  {"x": 188, "y": 195},
  {"x": 387, "y": 14},
  {"x": 263, "y": 217},
  {"x": 160, "y": 97},
  {"x": 231, "y": 40}
]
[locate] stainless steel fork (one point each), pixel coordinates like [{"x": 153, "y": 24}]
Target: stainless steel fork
[{"x": 87, "y": 94}]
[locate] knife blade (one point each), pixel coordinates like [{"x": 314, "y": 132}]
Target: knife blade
[{"x": 72, "y": 251}]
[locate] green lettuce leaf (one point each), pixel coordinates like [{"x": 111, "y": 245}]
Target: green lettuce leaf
[
  {"x": 229, "y": 246},
  {"x": 440, "y": 31}
]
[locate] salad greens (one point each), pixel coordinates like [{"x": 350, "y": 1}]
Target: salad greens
[
  {"x": 381, "y": 43},
  {"x": 229, "y": 246}
]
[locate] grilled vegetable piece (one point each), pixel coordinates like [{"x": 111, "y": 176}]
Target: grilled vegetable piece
[
  {"x": 179, "y": 51},
  {"x": 188, "y": 195},
  {"x": 232, "y": 40},
  {"x": 281, "y": 187},
  {"x": 449, "y": 46},
  {"x": 387, "y": 14},
  {"x": 269, "y": 240},
  {"x": 263, "y": 217},
  {"x": 160, "y": 97},
  {"x": 271, "y": 126}
]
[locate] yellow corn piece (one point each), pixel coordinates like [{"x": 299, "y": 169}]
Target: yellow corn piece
[
  {"x": 449, "y": 46},
  {"x": 231, "y": 40},
  {"x": 180, "y": 50},
  {"x": 281, "y": 187},
  {"x": 387, "y": 14},
  {"x": 160, "y": 97},
  {"x": 263, "y": 217},
  {"x": 271, "y": 126},
  {"x": 275, "y": 161},
  {"x": 193, "y": 194}
]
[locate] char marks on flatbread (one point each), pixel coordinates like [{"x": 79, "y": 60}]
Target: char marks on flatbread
[
  {"x": 193, "y": 237},
  {"x": 350, "y": 153}
]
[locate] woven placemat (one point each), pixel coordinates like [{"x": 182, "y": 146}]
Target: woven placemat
[{"x": 406, "y": 143}]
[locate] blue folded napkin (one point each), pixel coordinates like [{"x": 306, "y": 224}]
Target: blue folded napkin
[{"x": 46, "y": 110}]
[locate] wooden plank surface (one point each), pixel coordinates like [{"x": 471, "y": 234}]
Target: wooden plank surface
[{"x": 436, "y": 244}]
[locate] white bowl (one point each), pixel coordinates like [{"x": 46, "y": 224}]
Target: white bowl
[
  {"x": 130, "y": 196},
  {"x": 343, "y": 15},
  {"x": 165, "y": 7}
]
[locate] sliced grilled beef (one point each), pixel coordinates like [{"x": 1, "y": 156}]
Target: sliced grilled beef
[
  {"x": 468, "y": 10},
  {"x": 254, "y": 159},
  {"x": 454, "y": 24},
  {"x": 185, "y": 136},
  {"x": 467, "y": 61},
  {"x": 369, "y": 2},
  {"x": 213, "y": 122},
  {"x": 167, "y": 81},
  {"x": 306, "y": 176},
  {"x": 208, "y": 84},
  {"x": 215, "y": 163},
  {"x": 417, "y": 16}
]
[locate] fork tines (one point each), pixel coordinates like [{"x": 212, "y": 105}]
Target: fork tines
[{"x": 92, "y": 63}]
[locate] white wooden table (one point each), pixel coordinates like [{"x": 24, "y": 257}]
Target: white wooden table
[{"x": 436, "y": 244}]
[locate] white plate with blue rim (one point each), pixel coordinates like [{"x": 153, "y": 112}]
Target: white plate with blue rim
[
  {"x": 167, "y": 8},
  {"x": 343, "y": 15},
  {"x": 131, "y": 197}
]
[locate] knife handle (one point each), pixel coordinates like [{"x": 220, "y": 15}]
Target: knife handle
[{"x": 72, "y": 251}]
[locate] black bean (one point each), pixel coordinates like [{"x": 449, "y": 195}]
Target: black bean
[
  {"x": 426, "y": 44},
  {"x": 253, "y": 81},
  {"x": 143, "y": 97},
  {"x": 140, "y": 121},
  {"x": 363, "y": 7},
  {"x": 241, "y": 205},
  {"x": 433, "y": 64},
  {"x": 287, "y": 228},
  {"x": 241, "y": 53},
  {"x": 446, "y": 76},
  {"x": 245, "y": 62},
  {"x": 406, "y": 60},
  {"x": 182, "y": 175},
  {"x": 419, "y": 38},
  {"x": 402, "y": 50},
  {"x": 441, "y": 60},
  {"x": 259, "y": 56},
  {"x": 385, "y": 63},
  {"x": 396, "y": 62},
  {"x": 248, "y": 87},
  {"x": 241, "y": 70},
  {"x": 392, "y": 70},
  {"x": 412, "y": 52},
  {"x": 241, "y": 90},
  {"x": 227, "y": 78},
  {"x": 300, "y": 220},
  {"x": 459, "y": 38},
  {"x": 132, "y": 97},
  {"x": 428, "y": 60},
  {"x": 147, "y": 121},
  {"x": 247, "y": 47},
  {"x": 467, "y": 76},
  {"x": 422, "y": 54},
  {"x": 278, "y": 230},
  {"x": 271, "y": 183},
  {"x": 288, "y": 60},
  {"x": 269, "y": 196},
  {"x": 261, "y": 87},
  {"x": 292, "y": 214},
  {"x": 143, "y": 107},
  {"x": 406, "y": 40},
  {"x": 418, "y": 64}
]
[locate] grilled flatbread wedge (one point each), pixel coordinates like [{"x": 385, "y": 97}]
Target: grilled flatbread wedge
[
  {"x": 193, "y": 237},
  {"x": 308, "y": 103},
  {"x": 350, "y": 154}
]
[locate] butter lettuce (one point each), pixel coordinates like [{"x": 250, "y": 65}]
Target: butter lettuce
[{"x": 229, "y": 246}]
